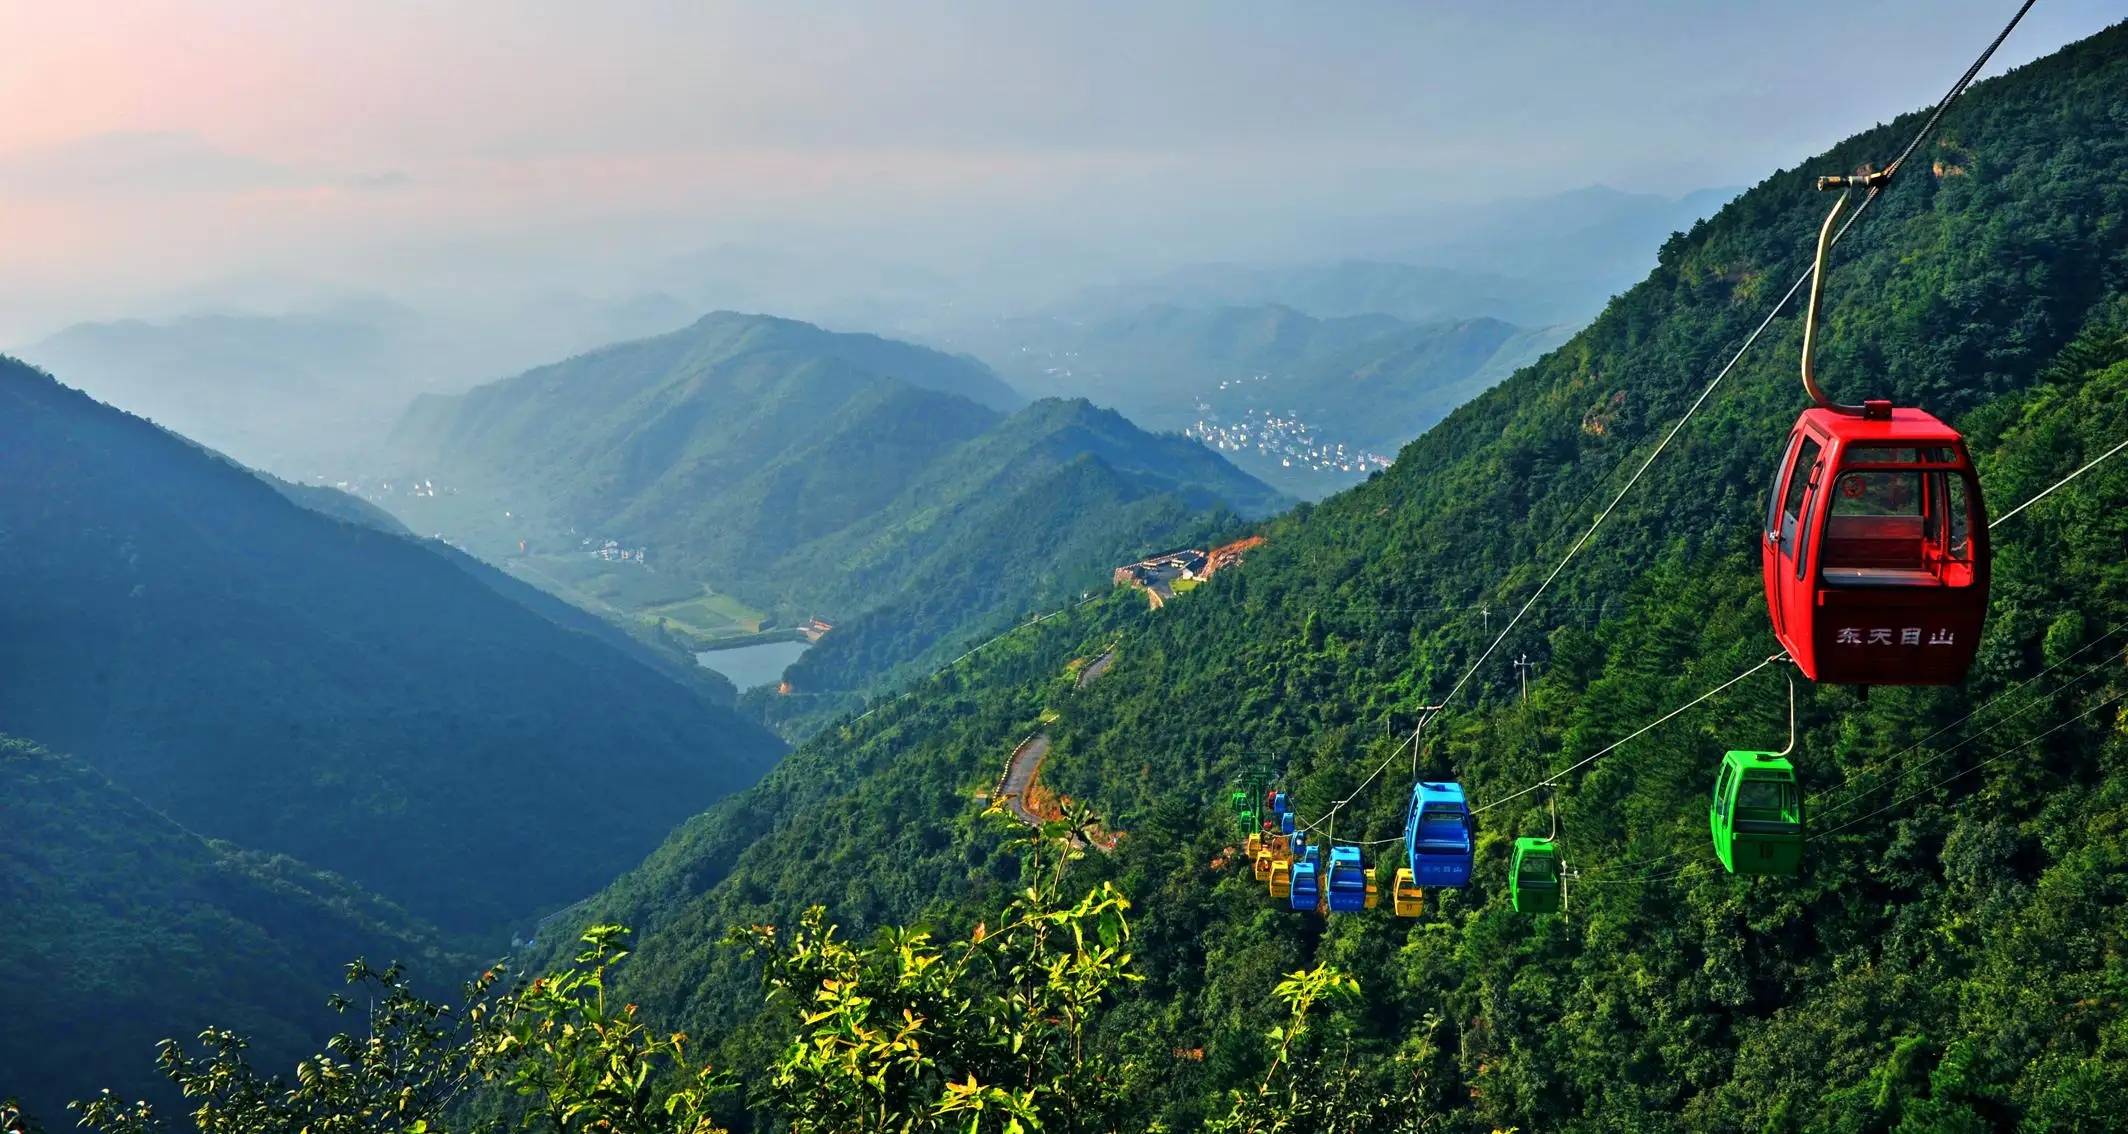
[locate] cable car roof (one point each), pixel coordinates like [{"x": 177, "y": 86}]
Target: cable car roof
[{"x": 1902, "y": 426}]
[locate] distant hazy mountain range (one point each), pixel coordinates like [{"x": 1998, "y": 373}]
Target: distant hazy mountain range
[
  {"x": 1280, "y": 363},
  {"x": 304, "y": 393},
  {"x": 806, "y": 471},
  {"x": 1308, "y": 404}
]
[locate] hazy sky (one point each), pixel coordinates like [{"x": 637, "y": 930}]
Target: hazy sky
[{"x": 151, "y": 150}]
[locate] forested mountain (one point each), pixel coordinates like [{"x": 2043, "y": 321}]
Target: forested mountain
[
  {"x": 808, "y": 472},
  {"x": 299, "y": 684},
  {"x": 1950, "y": 958},
  {"x": 123, "y": 928},
  {"x": 1038, "y": 508},
  {"x": 1309, "y": 404}
]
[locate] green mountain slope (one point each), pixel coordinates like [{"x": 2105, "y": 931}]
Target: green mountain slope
[
  {"x": 1952, "y": 956},
  {"x": 771, "y": 460},
  {"x": 124, "y": 929},
  {"x": 1276, "y": 390},
  {"x": 299, "y": 684}
]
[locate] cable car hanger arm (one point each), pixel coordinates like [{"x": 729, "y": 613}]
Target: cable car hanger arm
[{"x": 1872, "y": 183}]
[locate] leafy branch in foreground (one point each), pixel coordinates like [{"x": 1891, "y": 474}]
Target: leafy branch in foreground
[
  {"x": 985, "y": 1033},
  {"x": 571, "y": 1064},
  {"x": 996, "y": 1031}
]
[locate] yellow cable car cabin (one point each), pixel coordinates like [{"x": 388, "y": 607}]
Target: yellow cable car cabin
[
  {"x": 1255, "y": 843},
  {"x": 1281, "y": 877},
  {"x": 1374, "y": 893},
  {"x": 1262, "y": 866},
  {"x": 1405, "y": 897}
]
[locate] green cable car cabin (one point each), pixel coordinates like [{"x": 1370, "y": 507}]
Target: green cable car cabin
[
  {"x": 1757, "y": 814},
  {"x": 1533, "y": 883}
]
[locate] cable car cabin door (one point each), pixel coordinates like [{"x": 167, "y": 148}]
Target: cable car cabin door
[
  {"x": 1788, "y": 511},
  {"x": 1902, "y": 577}
]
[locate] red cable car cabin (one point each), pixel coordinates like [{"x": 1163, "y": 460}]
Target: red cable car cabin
[{"x": 1876, "y": 553}]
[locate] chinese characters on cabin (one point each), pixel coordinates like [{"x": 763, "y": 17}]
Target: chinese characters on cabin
[{"x": 1883, "y": 636}]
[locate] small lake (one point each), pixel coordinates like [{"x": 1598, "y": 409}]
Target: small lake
[{"x": 748, "y": 666}]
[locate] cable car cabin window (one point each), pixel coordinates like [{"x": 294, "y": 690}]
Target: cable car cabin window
[
  {"x": 1897, "y": 527},
  {"x": 1806, "y": 462},
  {"x": 1773, "y": 491},
  {"x": 1958, "y": 548},
  {"x": 1535, "y": 868},
  {"x": 1441, "y": 832},
  {"x": 1766, "y": 802},
  {"x": 1795, "y": 515}
]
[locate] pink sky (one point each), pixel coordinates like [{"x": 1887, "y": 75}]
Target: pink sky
[{"x": 148, "y": 148}]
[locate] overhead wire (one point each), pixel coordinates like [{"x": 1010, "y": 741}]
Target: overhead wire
[
  {"x": 1850, "y": 782},
  {"x": 1875, "y": 189},
  {"x": 1585, "y": 761},
  {"x": 1945, "y": 753},
  {"x": 1703, "y": 868},
  {"x": 2026, "y": 743},
  {"x": 1939, "y": 756},
  {"x": 2049, "y": 490}
]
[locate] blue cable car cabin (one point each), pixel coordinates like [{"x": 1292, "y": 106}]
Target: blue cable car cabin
[
  {"x": 1437, "y": 834},
  {"x": 1757, "y": 814},
  {"x": 1346, "y": 883},
  {"x": 1285, "y": 822},
  {"x": 1280, "y": 804},
  {"x": 1306, "y": 892}
]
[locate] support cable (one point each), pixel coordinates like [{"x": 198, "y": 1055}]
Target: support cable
[{"x": 1876, "y": 186}]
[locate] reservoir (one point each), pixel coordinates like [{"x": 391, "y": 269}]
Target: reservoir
[{"x": 748, "y": 666}]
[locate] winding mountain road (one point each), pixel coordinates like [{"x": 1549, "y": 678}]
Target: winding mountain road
[
  {"x": 1025, "y": 762},
  {"x": 1019, "y": 775},
  {"x": 1088, "y": 675}
]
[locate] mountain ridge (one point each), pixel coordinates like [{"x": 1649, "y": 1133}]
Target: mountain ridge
[
  {"x": 108, "y": 954},
  {"x": 808, "y": 484},
  {"x": 176, "y": 621},
  {"x": 1915, "y": 973}
]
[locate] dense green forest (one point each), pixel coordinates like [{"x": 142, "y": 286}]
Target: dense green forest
[
  {"x": 1953, "y": 956},
  {"x": 1950, "y": 961},
  {"x": 813, "y": 473},
  {"x": 124, "y": 928},
  {"x": 371, "y": 704}
]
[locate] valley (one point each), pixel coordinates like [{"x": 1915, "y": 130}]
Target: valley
[
  {"x": 757, "y": 474},
  {"x": 1199, "y": 609}
]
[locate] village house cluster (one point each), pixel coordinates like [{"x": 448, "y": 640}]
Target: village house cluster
[
  {"x": 1285, "y": 437},
  {"x": 611, "y": 551}
]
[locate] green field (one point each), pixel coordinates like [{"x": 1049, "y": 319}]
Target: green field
[
  {"x": 632, "y": 593},
  {"x": 709, "y": 616}
]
